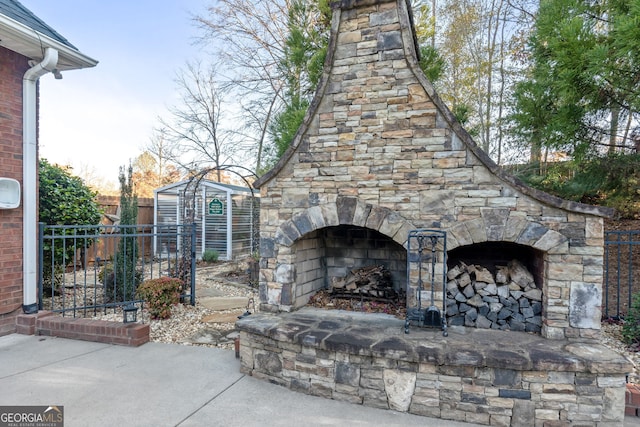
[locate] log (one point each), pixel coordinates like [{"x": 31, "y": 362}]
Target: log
[
  {"x": 373, "y": 281},
  {"x": 508, "y": 300}
]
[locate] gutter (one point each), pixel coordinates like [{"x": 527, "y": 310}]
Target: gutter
[
  {"x": 20, "y": 38},
  {"x": 29, "y": 177}
]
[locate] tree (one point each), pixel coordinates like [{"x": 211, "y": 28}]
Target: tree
[
  {"x": 122, "y": 279},
  {"x": 269, "y": 51},
  {"x": 585, "y": 67},
  {"x": 530, "y": 117},
  {"x": 195, "y": 136},
  {"x": 158, "y": 149},
  {"x": 250, "y": 35},
  {"x": 479, "y": 41},
  {"x": 305, "y": 50},
  {"x": 145, "y": 174},
  {"x": 95, "y": 181},
  {"x": 148, "y": 176},
  {"x": 431, "y": 63},
  {"x": 64, "y": 199}
]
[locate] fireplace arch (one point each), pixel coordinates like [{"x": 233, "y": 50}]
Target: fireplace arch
[
  {"x": 344, "y": 211},
  {"x": 496, "y": 225}
]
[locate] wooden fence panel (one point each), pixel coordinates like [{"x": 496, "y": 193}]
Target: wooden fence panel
[{"x": 105, "y": 248}]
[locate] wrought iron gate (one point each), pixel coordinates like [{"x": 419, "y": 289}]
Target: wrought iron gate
[
  {"x": 77, "y": 264},
  {"x": 621, "y": 272}
]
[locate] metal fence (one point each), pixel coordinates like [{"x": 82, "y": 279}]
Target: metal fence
[
  {"x": 74, "y": 280},
  {"x": 621, "y": 272}
]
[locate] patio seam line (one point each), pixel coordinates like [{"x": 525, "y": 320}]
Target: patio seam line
[
  {"x": 210, "y": 400},
  {"x": 57, "y": 361}
]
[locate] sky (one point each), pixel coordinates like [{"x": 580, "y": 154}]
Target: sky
[{"x": 98, "y": 119}]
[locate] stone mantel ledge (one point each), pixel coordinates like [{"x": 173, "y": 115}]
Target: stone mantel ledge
[{"x": 381, "y": 335}]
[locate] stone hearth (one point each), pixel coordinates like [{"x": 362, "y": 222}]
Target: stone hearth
[{"x": 469, "y": 376}]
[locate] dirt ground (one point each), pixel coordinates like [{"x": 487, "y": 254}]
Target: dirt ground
[{"x": 622, "y": 267}]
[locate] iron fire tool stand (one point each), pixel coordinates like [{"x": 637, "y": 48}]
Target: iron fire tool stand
[{"x": 422, "y": 257}]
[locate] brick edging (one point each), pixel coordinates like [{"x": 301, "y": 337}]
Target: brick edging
[
  {"x": 103, "y": 331},
  {"x": 632, "y": 400}
]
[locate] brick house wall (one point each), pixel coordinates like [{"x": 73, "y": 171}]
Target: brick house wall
[{"x": 12, "y": 68}]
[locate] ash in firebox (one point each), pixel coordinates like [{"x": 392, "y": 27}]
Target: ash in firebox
[{"x": 324, "y": 299}]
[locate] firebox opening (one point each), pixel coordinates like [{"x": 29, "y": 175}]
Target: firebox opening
[
  {"x": 328, "y": 255},
  {"x": 495, "y": 285},
  {"x": 493, "y": 254}
]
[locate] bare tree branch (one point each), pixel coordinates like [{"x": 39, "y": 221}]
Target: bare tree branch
[
  {"x": 249, "y": 38},
  {"x": 195, "y": 136}
]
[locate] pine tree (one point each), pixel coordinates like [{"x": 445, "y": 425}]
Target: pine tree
[
  {"x": 583, "y": 94},
  {"x": 305, "y": 50},
  {"x": 122, "y": 282}
]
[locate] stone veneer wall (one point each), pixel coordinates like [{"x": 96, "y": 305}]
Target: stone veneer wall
[
  {"x": 471, "y": 377},
  {"x": 379, "y": 150},
  {"x": 353, "y": 247},
  {"x": 482, "y": 395}
]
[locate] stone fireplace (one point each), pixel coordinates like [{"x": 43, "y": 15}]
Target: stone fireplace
[{"x": 379, "y": 155}]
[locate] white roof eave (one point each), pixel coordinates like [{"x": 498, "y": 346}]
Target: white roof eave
[
  {"x": 207, "y": 183},
  {"x": 26, "y": 41}
]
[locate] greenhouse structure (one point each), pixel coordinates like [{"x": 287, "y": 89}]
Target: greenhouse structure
[{"x": 226, "y": 217}]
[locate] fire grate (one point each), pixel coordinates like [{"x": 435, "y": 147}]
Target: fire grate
[{"x": 426, "y": 273}]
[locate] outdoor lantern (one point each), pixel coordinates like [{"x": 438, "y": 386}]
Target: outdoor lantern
[{"x": 130, "y": 312}]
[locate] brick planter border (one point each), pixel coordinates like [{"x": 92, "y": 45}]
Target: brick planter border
[{"x": 47, "y": 323}]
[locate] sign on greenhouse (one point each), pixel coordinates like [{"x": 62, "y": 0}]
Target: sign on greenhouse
[{"x": 216, "y": 207}]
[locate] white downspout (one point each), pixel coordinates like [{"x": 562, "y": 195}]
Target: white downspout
[
  {"x": 229, "y": 212},
  {"x": 204, "y": 221},
  {"x": 29, "y": 178}
]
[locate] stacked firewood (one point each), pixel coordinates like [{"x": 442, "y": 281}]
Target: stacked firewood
[
  {"x": 507, "y": 300},
  {"x": 373, "y": 281}
]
